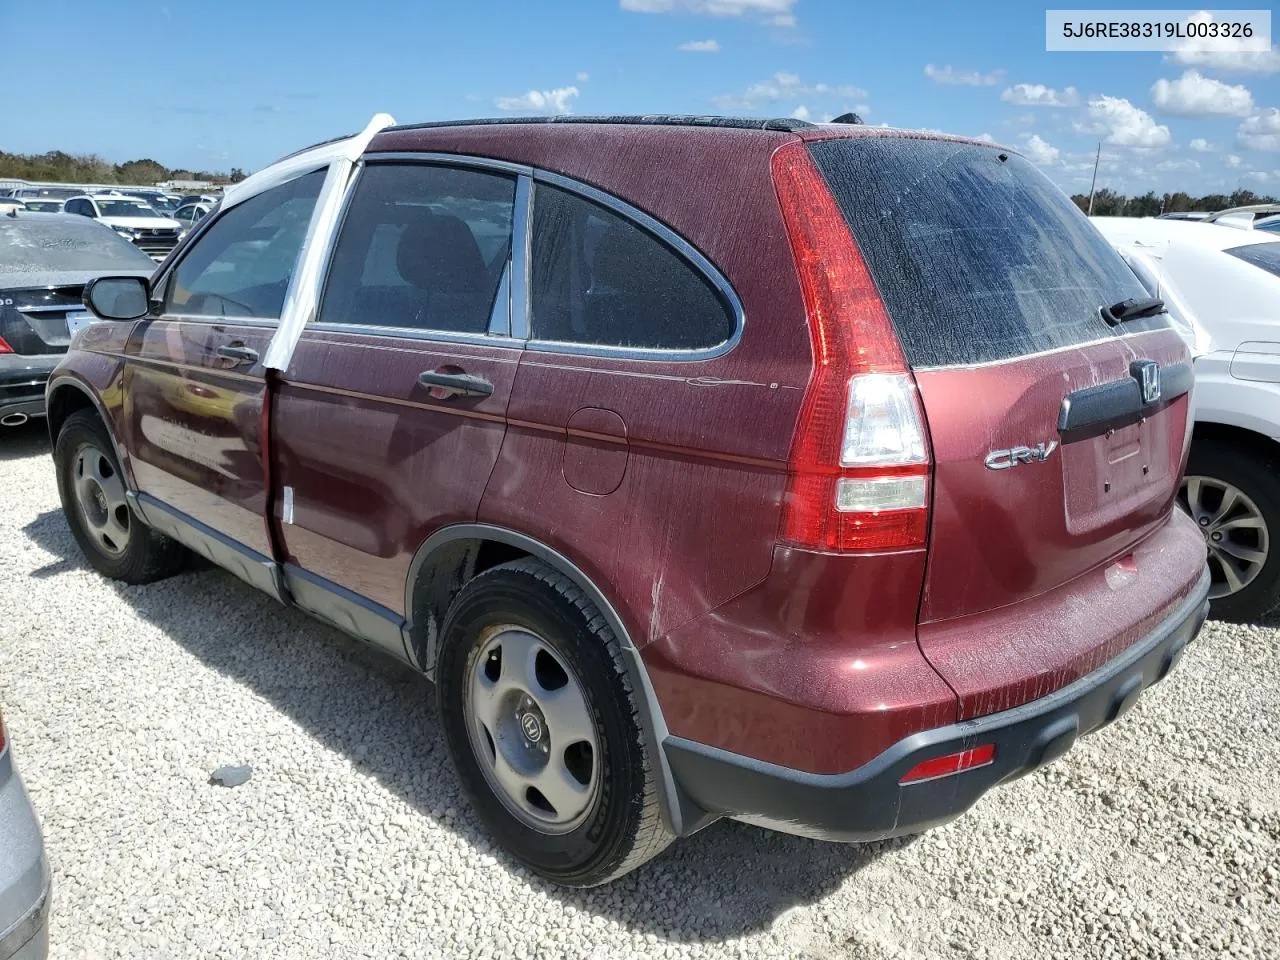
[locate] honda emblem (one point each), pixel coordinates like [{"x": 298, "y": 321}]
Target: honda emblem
[{"x": 1147, "y": 373}]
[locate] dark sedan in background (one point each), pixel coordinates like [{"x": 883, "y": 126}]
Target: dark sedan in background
[{"x": 45, "y": 261}]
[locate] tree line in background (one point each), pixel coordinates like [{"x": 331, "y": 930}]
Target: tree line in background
[
  {"x": 68, "y": 168},
  {"x": 1108, "y": 203}
]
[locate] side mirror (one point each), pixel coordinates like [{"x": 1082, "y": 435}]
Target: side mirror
[{"x": 117, "y": 298}]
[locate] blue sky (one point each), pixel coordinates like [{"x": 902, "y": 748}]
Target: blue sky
[{"x": 265, "y": 77}]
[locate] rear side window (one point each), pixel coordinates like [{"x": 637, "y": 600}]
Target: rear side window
[
  {"x": 977, "y": 258},
  {"x": 422, "y": 247},
  {"x": 241, "y": 266},
  {"x": 1264, "y": 256},
  {"x": 600, "y": 279}
]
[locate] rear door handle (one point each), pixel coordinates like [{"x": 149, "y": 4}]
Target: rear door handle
[
  {"x": 237, "y": 352},
  {"x": 456, "y": 384}
]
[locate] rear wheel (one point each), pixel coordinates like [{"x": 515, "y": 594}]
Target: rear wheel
[
  {"x": 1234, "y": 496},
  {"x": 543, "y": 726},
  {"x": 114, "y": 541}
]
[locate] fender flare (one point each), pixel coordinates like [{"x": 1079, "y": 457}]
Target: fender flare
[
  {"x": 682, "y": 816},
  {"x": 68, "y": 382}
]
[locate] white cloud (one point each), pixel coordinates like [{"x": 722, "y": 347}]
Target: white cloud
[
  {"x": 583, "y": 77},
  {"x": 1261, "y": 176},
  {"x": 1238, "y": 61},
  {"x": 1121, "y": 124},
  {"x": 1201, "y": 145},
  {"x": 555, "y": 101},
  {"x": 1261, "y": 131},
  {"x": 951, "y": 77},
  {"x": 985, "y": 138},
  {"x": 1193, "y": 95},
  {"x": 1178, "y": 166},
  {"x": 1041, "y": 153},
  {"x": 1233, "y": 161},
  {"x": 1224, "y": 53},
  {"x": 785, "y": 86},
  {"x": 1038, "y": 95},
  {"x": 700, "y": 46},
  {"x": 801, "y": 112},
  {"x": 778, "y": 11}
]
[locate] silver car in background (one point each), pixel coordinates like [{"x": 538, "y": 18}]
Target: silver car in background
[{"x": 24, "y": 870}]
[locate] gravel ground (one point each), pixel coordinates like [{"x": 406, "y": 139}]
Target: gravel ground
[{"x": 1158, "y": 837}]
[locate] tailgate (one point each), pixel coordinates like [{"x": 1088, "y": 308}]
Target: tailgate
[
  {"x": 1057, "y": 438},
  {"x": 1047, "y": 467}
]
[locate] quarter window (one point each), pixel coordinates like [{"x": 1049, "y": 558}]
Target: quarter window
[
  {"x": 241, "y": 266},
  {"x": 601, "y": 279},
  {"x": 421, "y": 247}
]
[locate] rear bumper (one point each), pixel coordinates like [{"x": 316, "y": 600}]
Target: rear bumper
[
  {"x": 869, "y": 803},
  {"x": 22, "y": 383},
  {"x": 24, "y": 873}
]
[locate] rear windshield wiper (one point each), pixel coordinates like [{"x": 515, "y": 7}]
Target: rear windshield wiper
[{"x": 1132, "y": 309}]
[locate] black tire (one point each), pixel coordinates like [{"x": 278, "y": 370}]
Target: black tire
[
  {"x": 147, "y": 555},
  {"x": 1257, "y": 476},
  {"x": 623, "y": 827}
]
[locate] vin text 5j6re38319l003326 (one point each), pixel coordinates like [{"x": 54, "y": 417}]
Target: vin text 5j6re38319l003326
[{"x": 803, "y": 496}]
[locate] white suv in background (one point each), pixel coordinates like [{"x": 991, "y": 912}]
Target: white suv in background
[
  {"x": 132, "y": 218},
  {"x": 1222, "y": 285}
]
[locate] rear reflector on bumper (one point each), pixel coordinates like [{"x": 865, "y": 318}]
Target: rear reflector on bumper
[{"x": 951, "y": 763}]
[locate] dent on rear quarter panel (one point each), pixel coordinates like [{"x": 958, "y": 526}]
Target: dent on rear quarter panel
[{"x": 693, "y": 521}]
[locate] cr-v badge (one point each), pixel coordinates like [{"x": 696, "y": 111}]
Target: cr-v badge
[{"x": 1006, "y": 459}]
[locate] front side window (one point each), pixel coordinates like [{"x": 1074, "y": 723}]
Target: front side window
[
  {"x": 421, "y": 247},
  {"x": 601, "y": 279},
  {"x": 241, "y": 266}
]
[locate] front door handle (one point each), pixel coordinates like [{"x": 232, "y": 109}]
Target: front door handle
[
  {"x": 237, "y": 352},
  {"x": 456, "y": 384}
]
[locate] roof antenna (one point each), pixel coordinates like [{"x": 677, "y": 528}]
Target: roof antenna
[{"x": 850, "y": 117}]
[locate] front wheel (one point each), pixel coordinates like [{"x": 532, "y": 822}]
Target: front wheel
[
  {"x": 1233, "y": 494},
  {"x": 543, "y": 726},
  {"x": 91, "y": 486}
]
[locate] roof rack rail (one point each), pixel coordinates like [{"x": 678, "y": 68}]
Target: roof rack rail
[
  {"x": 783, "y": 124},
  {"x": 849, "y": 117}
]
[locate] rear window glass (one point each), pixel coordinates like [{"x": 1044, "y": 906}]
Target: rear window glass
[
  {"x": 601, "y": 279},
  {"x": 1265, "y": 256},
  {"x": 65, "y": 243},
  {"x": 977, "y": 258}
]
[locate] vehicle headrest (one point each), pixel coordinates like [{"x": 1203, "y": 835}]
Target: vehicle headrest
[{"x": 440, "y": 253}]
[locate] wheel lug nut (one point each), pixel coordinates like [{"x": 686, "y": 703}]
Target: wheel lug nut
[
  {"x": 1204, "y": 521},
  {"x": 1216, "y": 537}
]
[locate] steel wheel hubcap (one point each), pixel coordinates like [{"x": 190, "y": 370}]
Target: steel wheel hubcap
[
  {"x": 1234, "y": 531},
  {"x": 100, "y": 497},
  {"x": 531, "y": 730}
]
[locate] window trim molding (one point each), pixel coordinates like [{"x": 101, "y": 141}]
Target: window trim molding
[{"x": 665, "y": 234}]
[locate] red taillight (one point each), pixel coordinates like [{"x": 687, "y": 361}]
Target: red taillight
[
  {"x": 951, "y": 763},
  {"x": 860, "y": 459},
  {"x": 4, "y": 347}
]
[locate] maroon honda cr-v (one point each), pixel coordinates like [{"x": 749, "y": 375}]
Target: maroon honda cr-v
[{"x": 815, "y": 475}]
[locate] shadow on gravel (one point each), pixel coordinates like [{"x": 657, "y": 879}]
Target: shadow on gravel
[
  {"x": 28, "y": 440},
  {"x": 726, "y": 881}
]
